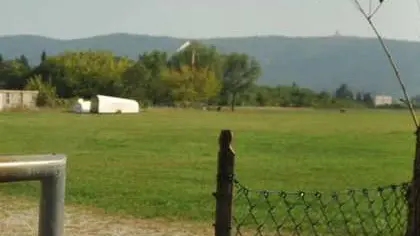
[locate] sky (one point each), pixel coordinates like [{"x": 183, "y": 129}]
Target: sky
[{"x": 69, "y": 19}]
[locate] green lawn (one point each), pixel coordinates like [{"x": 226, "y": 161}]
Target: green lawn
[{"x": 162, "y": 163}]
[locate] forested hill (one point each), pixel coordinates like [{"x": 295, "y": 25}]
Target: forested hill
[{"x": 318, "y": 63}]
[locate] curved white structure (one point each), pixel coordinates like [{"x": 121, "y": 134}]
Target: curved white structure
[
  {"x": 82, "y": 106},
  {"x": 108, "y": 104}
]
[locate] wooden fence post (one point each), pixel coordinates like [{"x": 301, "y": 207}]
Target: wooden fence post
[
  {"x": 224, "y": 191},
  {"x": 413, "y": 220}
]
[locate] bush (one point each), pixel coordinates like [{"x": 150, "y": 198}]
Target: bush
[{"x": 47, "y": 96}]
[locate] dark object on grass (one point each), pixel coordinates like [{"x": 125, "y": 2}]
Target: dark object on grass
[{"x": 343, "y": 110}]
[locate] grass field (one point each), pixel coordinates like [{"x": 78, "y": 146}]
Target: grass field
[{"x": 162, "y": 163}]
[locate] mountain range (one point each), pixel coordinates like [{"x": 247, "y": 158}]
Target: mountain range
[{"x": 319, "y": 63}]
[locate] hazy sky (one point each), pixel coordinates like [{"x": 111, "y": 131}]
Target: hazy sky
[{"x": 204, "y": 18}]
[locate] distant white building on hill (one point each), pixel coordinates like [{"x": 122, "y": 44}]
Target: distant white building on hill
[{"x": 381, "y": 100}]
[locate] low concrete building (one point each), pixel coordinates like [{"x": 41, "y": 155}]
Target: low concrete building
[
  {"x": 10, "y": 99},
  {"x": 382, "y": 100}
]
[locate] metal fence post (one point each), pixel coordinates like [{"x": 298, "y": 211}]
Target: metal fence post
[
  {"x": 51, "y": 210},
  {"x": 224, "y": 191},
  {"x": 50, "y": 170},
  {"x": 413, "y": 195}
]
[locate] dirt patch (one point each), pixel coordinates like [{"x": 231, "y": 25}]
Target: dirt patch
[{"x": 19, "y": 217}]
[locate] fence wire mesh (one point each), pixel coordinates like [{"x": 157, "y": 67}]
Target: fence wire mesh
[{"x": 381, "y": 211}]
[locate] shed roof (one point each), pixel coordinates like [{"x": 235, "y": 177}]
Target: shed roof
[{"x": 18, "y": 91}]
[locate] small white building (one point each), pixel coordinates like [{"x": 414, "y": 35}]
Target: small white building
[
  {"x": 10, "y": 99},
  {"x": 382, "y": 100}
]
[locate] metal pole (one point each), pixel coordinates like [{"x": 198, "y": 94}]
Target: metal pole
[
  {"x": 413, "y": 221},
  {"x": 51, "y": 210},
  {"x": 51, "y": 171},
  {"x": 224, "y": 190}
]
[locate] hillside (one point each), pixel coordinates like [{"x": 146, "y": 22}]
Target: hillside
[{"x": 318, "y": 63}]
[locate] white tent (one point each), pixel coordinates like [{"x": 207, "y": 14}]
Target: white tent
[
  {"x": 82, "y": 106},
  {"x": 108, "y": 104}
]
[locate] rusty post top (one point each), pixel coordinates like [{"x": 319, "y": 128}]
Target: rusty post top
[
  {"x": 225, "y": 138},
  {"x": 7, "y": 161},
  {"x": 30, "y": 167}
]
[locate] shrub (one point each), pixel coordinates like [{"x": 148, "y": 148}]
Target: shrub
[{"x": 47, "y": 96}]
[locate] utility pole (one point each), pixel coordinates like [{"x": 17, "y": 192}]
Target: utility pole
[{"x": 193, "y": 58}]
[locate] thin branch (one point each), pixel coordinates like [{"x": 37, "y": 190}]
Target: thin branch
[
  {"x": 374, "y": 11},
  {"x": 391, "y": 61}
]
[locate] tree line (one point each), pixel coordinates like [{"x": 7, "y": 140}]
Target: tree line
[{"x": 197, "y": 75}]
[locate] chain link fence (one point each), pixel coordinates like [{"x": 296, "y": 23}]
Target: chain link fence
[{"x": 381, "y": 211}]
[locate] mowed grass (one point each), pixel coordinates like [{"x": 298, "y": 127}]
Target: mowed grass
[{"x": 162, "y": 163}]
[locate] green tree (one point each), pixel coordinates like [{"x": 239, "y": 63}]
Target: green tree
[
  {"x": 24, "y": 61},
  {"x": 201, "y": 56},
  {"x": 196, "y": 53},
  {"x": 85, "y": 73},
  {"x": 344, "y": 92},
  {"x": 54, "y": 73},
  {"x": 13, "y": 74},
  {"x": 137, "y": 82},
  {"x": 262, "y": 99},
  {"x": 240, "y": 72},
  {"x": 186, "y": 85},
  {"x": 156, "y": 62},
  {"x": 323, "y": 99},
  {"x": 206, "y": 84}
]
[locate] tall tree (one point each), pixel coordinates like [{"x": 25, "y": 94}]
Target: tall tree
[
  {"x": 201, "y": 56},
  {"x": 13, "y": 74},
  {"x": 43, "y": 56},
  {"x": 136, "y": 82},
  {"x": 344, "y": 92},
  {"x": 155, "y": 62},
  {"x": 240, "y": 72},
  {"x": 24, "y": 60},
  {"x": 261, "y": 99},
  {"x": 186, "y": 85}
]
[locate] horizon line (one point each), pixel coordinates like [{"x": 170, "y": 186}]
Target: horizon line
[{"x": 202, "y": 38}]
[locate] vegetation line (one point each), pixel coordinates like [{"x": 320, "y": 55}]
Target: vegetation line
[{"x": 157, "y": 79}]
